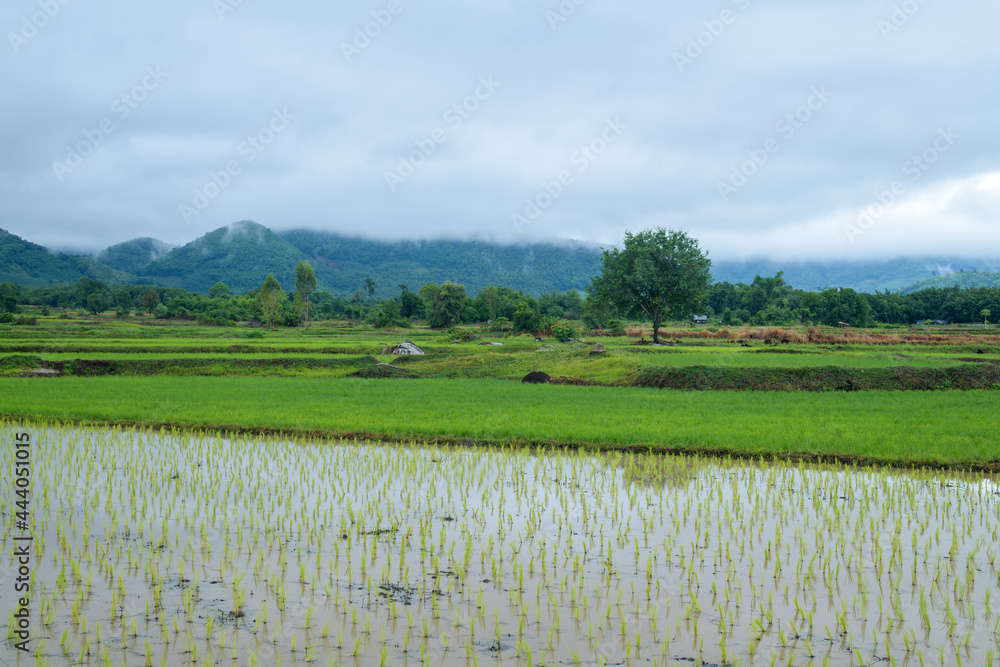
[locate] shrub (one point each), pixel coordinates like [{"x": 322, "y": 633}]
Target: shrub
[
  {"x": 615, "y": 328},
  {"x": 45, "y": 311},
  {"x": 26, "y": 321},
  {"x": 6, "y": 318},
  {"x": 525, "y": 321},
  {"x": 563, "y": 331}
]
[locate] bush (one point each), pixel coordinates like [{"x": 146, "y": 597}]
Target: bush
[
  {"x": 615, "y": 328},
  {"x": 45, "y": 311},
  {"x": 525, "y": 321},
  {"x": 545, "y": 325},
  {"x": 6, "y": 318},
  {"x": 563, "y": 331},
  {"x": 26, "y": 321}
]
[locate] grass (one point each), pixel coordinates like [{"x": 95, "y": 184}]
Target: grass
[{"x": 898, "y": 428}]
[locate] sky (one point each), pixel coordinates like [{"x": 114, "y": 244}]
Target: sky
[{"x": 781, "y": 130}]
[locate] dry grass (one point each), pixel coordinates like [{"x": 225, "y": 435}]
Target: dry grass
[{"x": 829, "y": 336}]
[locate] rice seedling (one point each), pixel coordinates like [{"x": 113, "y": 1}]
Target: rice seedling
[{"x": 618, "y": 541}]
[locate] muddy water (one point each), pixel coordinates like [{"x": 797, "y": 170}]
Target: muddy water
[{"x": 169, "y": 548}]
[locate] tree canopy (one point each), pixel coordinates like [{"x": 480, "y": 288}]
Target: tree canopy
[{"x": 657, "y": 274}]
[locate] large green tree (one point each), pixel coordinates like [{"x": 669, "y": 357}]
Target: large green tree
[
  {"x": 305, "y": 285},
  {"x": 656, "y": 275},
  {"x": 444, "y": 304},
  {"x": 271, "y": 300}
]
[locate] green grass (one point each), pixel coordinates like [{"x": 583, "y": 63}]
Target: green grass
[{"x": 900, "y": 428}]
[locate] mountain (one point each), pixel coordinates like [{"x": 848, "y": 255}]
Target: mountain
[
  {"x": 868, "y": 276},
  {"x": 961, "y": 279},
  {"x": 243, "y": 253},
  {"x": 135, "y": 255},
  {"x": 345, "y": 262},
  {"x": 32, "y": 265},
  {"x": 240, "y": 255}
]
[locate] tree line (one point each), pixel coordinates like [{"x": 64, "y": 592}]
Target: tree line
[{"x": 657, "y": 276}]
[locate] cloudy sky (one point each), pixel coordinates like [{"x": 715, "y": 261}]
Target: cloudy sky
[{"x": 852, "y": 129}]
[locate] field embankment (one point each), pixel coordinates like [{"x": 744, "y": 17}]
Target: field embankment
[{"x": 950, "y": 429}]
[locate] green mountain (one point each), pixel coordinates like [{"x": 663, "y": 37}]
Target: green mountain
[
  {"x": 868, "y": 276},
  {"x": 961, "y": 279},
  {"x": 32, "y": 265},
  {"x": 135, "y": 255},
  {"x": 240, "y": 255},
  {"x": 343, "y": 263}
]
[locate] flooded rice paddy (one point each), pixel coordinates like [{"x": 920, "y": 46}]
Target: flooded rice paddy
[{"x": 169, "y": 548}]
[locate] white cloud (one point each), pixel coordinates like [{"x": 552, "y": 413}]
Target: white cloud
[{"x": 354, "y": 119}]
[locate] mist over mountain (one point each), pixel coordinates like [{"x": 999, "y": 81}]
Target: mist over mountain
[
  {"x": 243, "y": 253},
  {"x": 133, "y": 256},
  {"x": 25, "y": 263}
]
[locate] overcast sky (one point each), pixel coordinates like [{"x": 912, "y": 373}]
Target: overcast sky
[{"x": 764, "y": 129}]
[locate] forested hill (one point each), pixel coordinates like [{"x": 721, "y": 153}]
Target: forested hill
[
  {"x": 533, "y": 269},
  {"x": 960, "y": 279},
  {"x": 135, "y": 255},
  {"x": 239, "y": 255},
  {"x": 32, "y": 265},
  {"x": 861, "y": 276},
  {"x": 243, "y": 253}
]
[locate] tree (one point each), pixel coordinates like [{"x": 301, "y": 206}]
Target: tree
[
  {"x": 388, "y": 315},
  {"x": 305, "y": 285},
  {"x": 985, "y": 312},
  {"x": 453, "y": 296},
  {"x": 270, "y": 299},
  {"x": 444, "y": 304},
  {"x": 657, "y": 274},
  {"x": 219, "y": 290},
  {"x": 124, "y": 299},
  {"x": 410, "y": 303},
  {"x": 96, "y": 303},
  {"x": 150, "y": 300},
  {"x": 370, "y": 289},
  {"x": 9, "y": 297}
]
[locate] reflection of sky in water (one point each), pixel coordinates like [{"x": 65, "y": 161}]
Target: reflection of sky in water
[{"x": 415, "y": 553}]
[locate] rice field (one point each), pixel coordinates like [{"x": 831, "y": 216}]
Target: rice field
[{"x": 156, "y": 547}]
